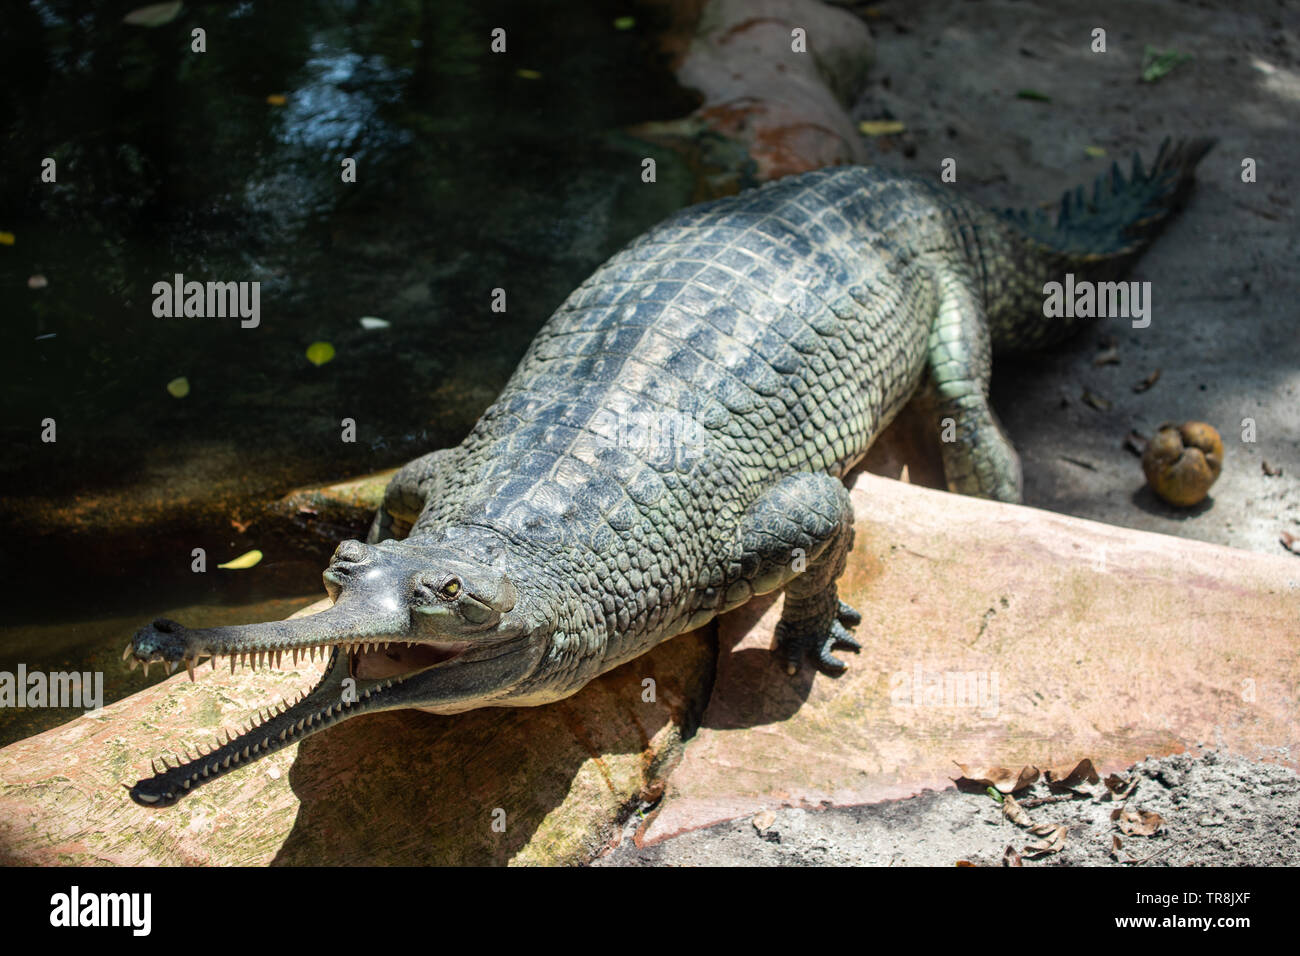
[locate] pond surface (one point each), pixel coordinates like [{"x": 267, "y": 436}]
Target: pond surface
[{"x": 474, "y": 171}]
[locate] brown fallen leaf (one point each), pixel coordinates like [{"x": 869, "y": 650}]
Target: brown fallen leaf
[
  {"x": 1135, "y": 442},
  {"x": 1137, "y": 822},
  {"x": 240, "y": 526},
  {"x": 1014, "y": 812},
  {"x": 1290, "y": 542},
  {"x": 963, "y": 863},
  {"x": 1054, "y": 843},
  {"x": 1068, "y": 776},
  {"x": 1097, "y": 401},
  {"x": 1147, "y": 382},
  {"x": 1010, "y": 857},
  {"x": 763, "y": 819},
  {"x": 1270, "y": 470},
  {"x": 1003, "y": 779},
  {"x": 1119, "y": 788}
]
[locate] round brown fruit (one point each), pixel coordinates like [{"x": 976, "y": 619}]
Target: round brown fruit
[{"x": 1183, "y": 461}]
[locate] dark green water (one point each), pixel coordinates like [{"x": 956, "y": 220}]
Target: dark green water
[{"x": 470, "y": 176}]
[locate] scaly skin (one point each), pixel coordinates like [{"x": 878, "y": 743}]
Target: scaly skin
[{"x": 672, "y": 442}]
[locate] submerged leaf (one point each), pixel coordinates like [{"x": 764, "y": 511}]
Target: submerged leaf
[
  {"x": 179, "y": 387},
  {"x": 154, "y": 15}
]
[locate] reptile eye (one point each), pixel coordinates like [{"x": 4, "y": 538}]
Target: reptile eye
[{"x": 450, "y": 589}]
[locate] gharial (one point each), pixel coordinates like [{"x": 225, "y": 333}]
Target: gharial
[{"x": 672, "y": 444}]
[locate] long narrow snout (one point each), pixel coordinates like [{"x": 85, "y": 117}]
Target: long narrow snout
[{"x": 353, "y": 628}]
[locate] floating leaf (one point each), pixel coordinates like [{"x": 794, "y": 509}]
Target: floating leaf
[
  {"x": 179, "y": 387},
  {"x": 6, "y": 238},
  {"x": 528, "y": 74},
  {"x": 1094, "y": 152},
  {"x": 624, "y": 23},
  {"x": 154, "y": 15},
  {"x": 880, "y": 127},
  {"x": 37, "y": 282},
  {"x": 246, "y": 560},
  {"x": 1033, "y": 95},
  {"x": 374, "y": 322},
  {"x": 277, "y": 99},
  {"x": 318, "y": 353}
]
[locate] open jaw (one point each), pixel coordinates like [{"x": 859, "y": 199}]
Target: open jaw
[{"x": 378, "y": 671}]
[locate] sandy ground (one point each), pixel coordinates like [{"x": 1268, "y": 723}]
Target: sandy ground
[
  {"x": 1217, "y": 810},
  {"x": 1222, "y": 335},
  {"x": 1223, "y": 285}
]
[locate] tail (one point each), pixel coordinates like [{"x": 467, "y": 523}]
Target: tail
[{"x": 1097, "y": 240}]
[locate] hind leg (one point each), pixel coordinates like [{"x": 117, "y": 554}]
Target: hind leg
[{"x": 978, "y": 458}]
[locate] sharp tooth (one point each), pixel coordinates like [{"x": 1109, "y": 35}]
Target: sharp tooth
[
  {"x": 278, "y": 655},
  {"x": 134, "y": 663},
  {"x": 145, "y": 665},
  {"x": 127, "y": 653},
  {"x": 213, "y": 660},
  {"x": 232, "y": 664},
  {"x": 189, "y": 666},
  {"x": 185, "y": 784},
  {"x": 170, "y": 667},
  {"x": 295, "y": 657}
]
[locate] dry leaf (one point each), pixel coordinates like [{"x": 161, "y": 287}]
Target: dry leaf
[
  {"x": 963, "y": 863},
  {"x": 1109, "y": 357},
  {"x": 1014, "y": 812},
  {"x": 763, "y": 819},
  {"x": 1120, "y": 787},
  {"x": 1147, "y": 382},
  {"x": 1010, "y": 857},
  {"x": 1070, "y": 776},
  {"x": 1054, "y": 843},
  {"x": 1137, "y": 822},
  {"x": 1270, "y": 470},
  {"x": 1136, "y": 443},
  {"x": 1096, "y": 401},
  {"x": 1290, "y": 542},
  {"x": 1002, "y": 779}
]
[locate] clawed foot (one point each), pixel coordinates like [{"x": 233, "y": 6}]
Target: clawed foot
[{"x": 793, "y": 641}]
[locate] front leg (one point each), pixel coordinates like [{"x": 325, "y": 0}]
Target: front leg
[{"x": 797, "y": 535}]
